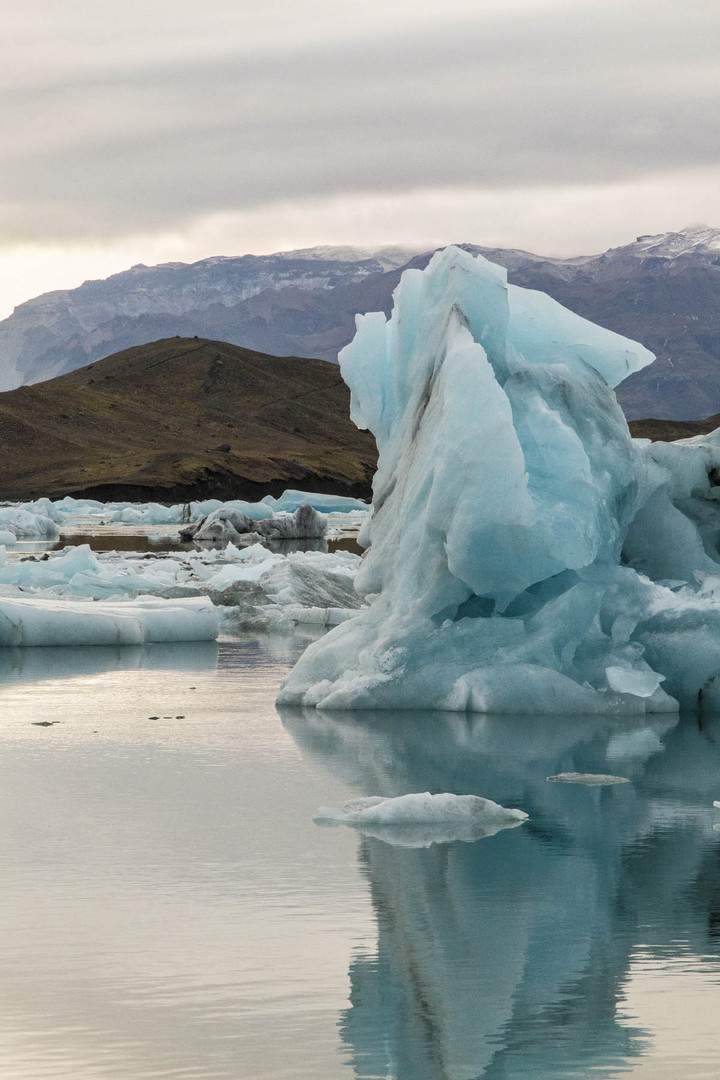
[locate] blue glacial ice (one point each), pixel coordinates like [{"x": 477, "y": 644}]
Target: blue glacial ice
[
  {"x": 26, "y": 522},
  {"x": 525, "y": 554},
  {"x": 291, "y": 500}
]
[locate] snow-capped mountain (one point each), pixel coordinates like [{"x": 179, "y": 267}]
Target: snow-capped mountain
[
  {"x": 662, "y": 290},
  {"x": 692, "y": 240}
]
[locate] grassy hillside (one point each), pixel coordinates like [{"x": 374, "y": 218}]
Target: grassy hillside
[
  {"x": 670, "y": 430},
  {"x": 184, "y": 418}
]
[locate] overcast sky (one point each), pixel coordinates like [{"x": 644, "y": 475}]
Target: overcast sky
[{"x": 168, "y": 129}]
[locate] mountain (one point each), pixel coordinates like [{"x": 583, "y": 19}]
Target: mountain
[
  {"x": 183, "y": 419},
  {"x": 62, "y": 330},
  {"x": 662, "y": 290}
]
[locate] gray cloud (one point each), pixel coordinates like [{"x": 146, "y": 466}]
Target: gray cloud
[{"x": 111, "y": 136}]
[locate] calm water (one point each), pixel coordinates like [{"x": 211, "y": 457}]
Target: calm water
[{"x": 169, "y": 909}]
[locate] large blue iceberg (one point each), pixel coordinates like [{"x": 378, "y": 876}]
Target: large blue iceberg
[{"x": 525, "y": 554}]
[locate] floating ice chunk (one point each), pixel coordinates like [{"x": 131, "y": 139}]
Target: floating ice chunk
[
  {"x": 291, "y": 500},
  {"x": 301, "y": 582},
  {"x": 222, "y": 524},
  {"x": 229, "y": 524},
  {"x": 304, "y": 523},
  {"x": 43, "y": 621},
  {"x": 589, "y": 779},
  {"x": 716, "y": 804},
  {"x": 241, "y": 571},
  {"x": 421, "y": 819},
  {"x": 27, "y": 525},
  {"x": 52, "y": 573}
]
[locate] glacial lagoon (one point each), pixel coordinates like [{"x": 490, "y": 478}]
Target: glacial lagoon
[{"x": 171, "y": 910}]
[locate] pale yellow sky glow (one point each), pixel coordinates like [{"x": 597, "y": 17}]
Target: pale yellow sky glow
[{"x": 561, "y": 221}]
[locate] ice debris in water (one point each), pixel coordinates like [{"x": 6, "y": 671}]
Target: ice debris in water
[
  {"x": 127, "y": 513},
  {"x": 421, "y": 819},
  {"x": 244, "y": 586},
  {"x": 250, "y": 587},
  {"x": 521, "y": 542},
  {"x": 589, "y": 779}
]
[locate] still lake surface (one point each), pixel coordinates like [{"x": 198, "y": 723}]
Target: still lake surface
[{"x": 170, "y": 910}]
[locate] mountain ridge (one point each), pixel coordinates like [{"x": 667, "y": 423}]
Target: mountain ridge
[{"x": 662, "y": 290}]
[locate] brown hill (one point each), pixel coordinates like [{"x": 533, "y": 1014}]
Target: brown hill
[
  {"x": 184, "y": 418},
  {"x": 670, "y": 430}
]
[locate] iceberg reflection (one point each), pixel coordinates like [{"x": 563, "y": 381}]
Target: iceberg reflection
[
  {"x": 507, "y": 957},
  {"x": 68, "y": 661}
]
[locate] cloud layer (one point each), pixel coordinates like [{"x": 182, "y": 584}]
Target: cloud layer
[
  {"x": 112, "y": 126},
  {"x": 125, "y": 124}
]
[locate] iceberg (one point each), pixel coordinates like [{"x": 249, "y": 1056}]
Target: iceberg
[
  {"x": 524, "y": 553},
  {"x": 26, "y": 523}
]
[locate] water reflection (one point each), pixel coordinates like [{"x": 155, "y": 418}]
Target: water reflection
[
  {"x": 59, "y": 661},
  {"x": 508, "y": 957}
]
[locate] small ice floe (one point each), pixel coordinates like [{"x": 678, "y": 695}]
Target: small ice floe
[
  {"x": 590, "y": 779},
  {"x": 422, "y": 819},
  {"x": 716, "y": 804}
]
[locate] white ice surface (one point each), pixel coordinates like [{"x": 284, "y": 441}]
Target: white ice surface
[
  {"x": 37, "y": 621},
  {"x": 520, "y": 540}
]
